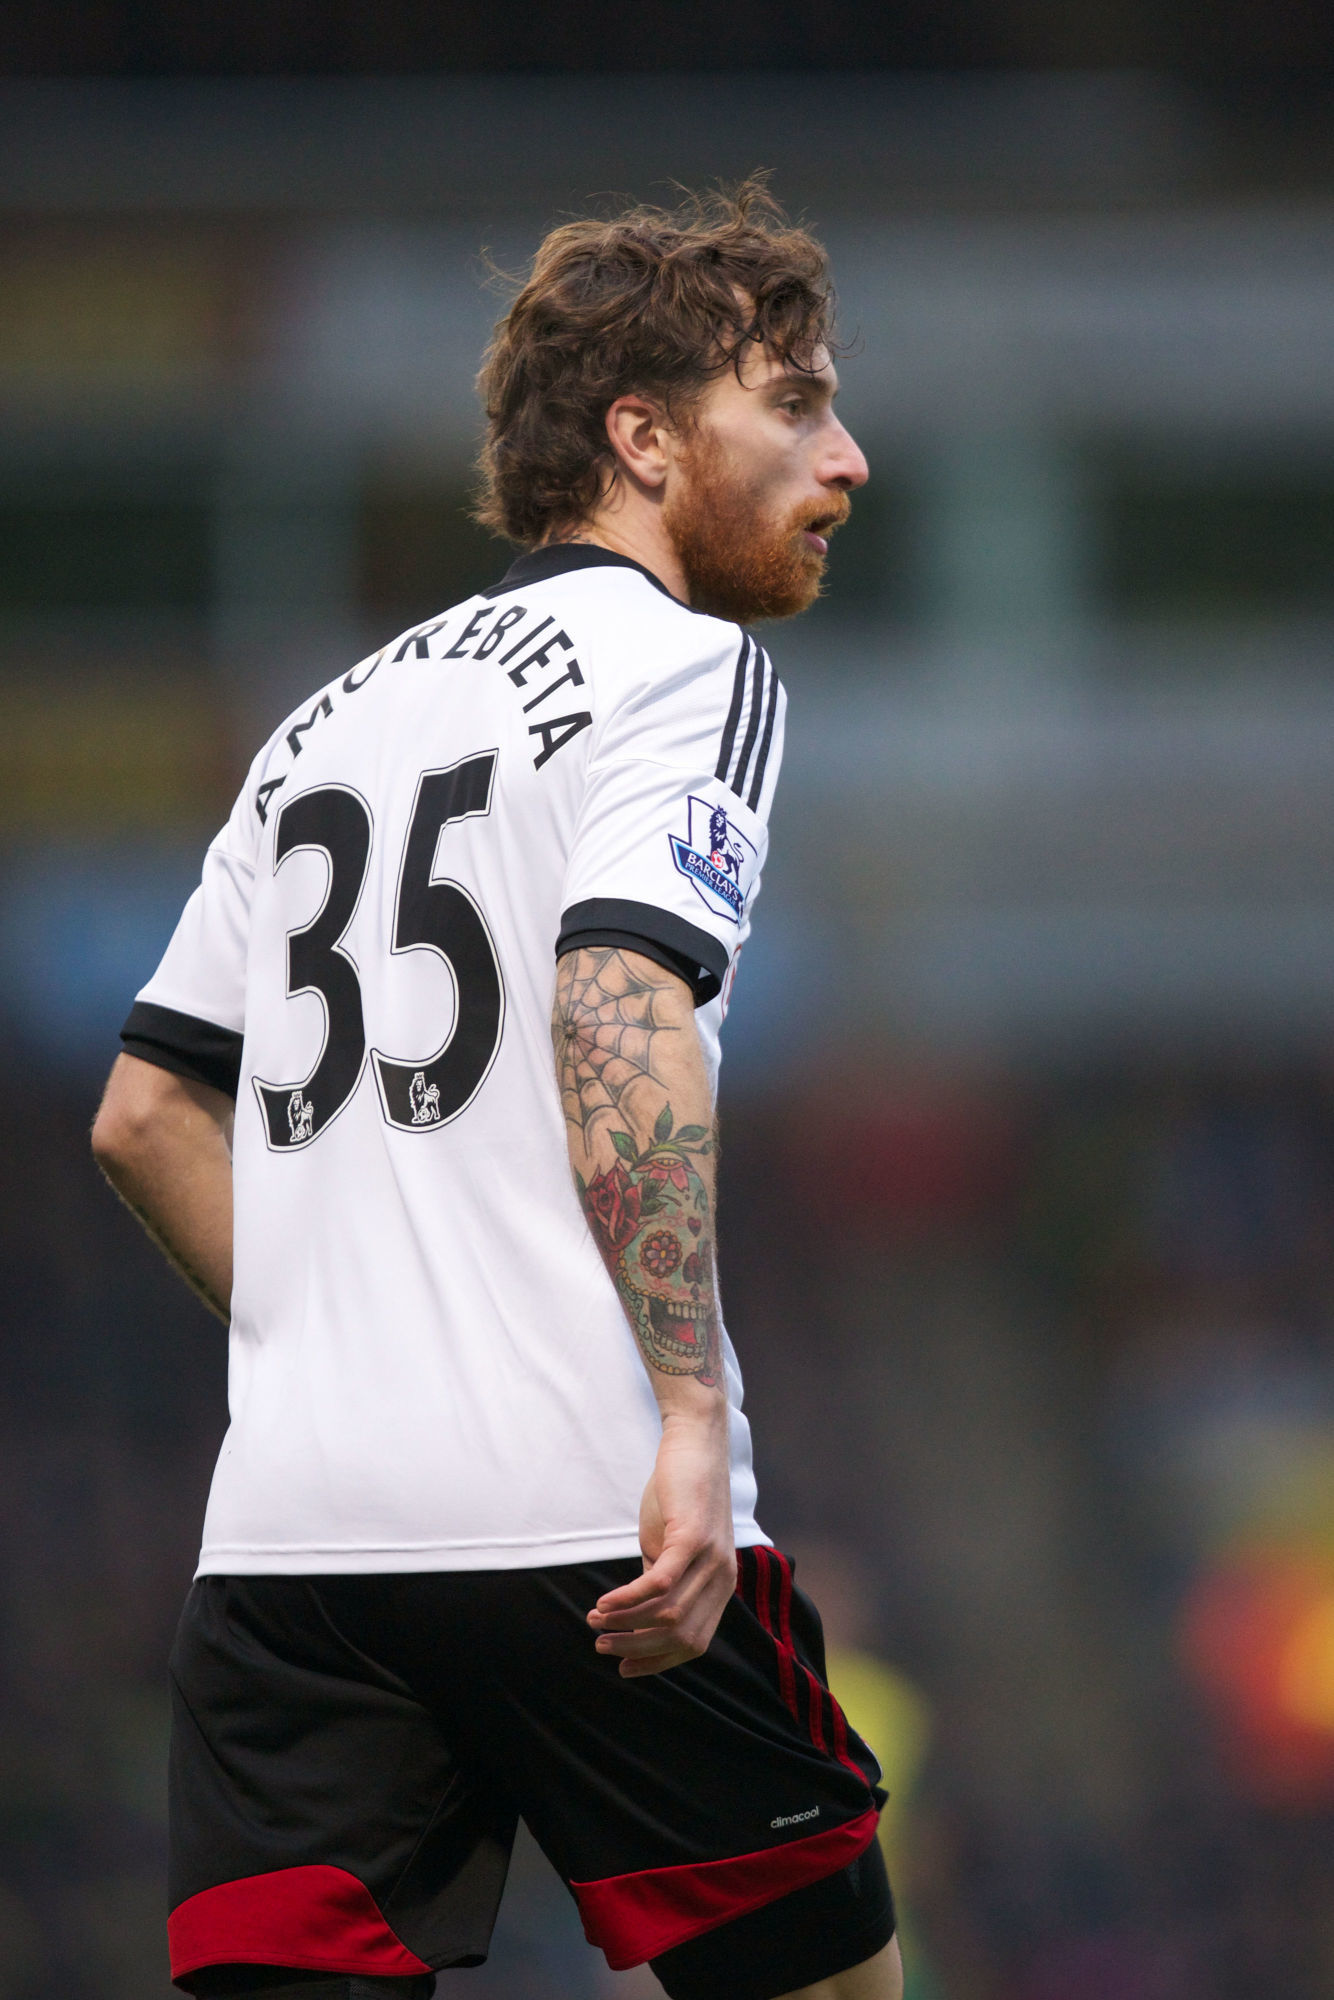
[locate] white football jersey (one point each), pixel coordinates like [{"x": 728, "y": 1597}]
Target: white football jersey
[{"x": 429, "y": 1365}]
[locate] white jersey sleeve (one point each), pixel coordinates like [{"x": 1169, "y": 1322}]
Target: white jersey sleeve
[
  {"x": 673, "y": 828},
  {"x": 190, "y": 1018}
]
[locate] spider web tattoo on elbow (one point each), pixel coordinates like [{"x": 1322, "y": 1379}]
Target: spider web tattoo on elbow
[{"x": 609, "y": 1030}]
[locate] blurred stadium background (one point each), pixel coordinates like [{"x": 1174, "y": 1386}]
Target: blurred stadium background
[{"x": 1029, "y": 1099}]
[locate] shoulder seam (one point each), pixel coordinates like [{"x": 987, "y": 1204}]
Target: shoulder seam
[{"x": 219, "y": 845}]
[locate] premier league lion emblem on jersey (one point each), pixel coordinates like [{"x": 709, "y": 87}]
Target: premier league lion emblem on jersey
[
  {"x": 424, "y": 1100},
  {"x": 716, "y": 856},
  {"x": 300, "y": 1118}
]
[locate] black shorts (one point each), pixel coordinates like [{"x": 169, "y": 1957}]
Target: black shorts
[{"x": 350, "y": 1756}]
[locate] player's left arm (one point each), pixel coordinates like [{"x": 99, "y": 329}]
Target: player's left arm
[
  {"x": 164, "y": 1143},
  {"x": 639, "y": 1128}
]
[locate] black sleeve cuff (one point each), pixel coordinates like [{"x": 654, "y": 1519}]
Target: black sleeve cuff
[
  {"x": 184, "y": 1045},
  {"x": 667, "y": 939}
]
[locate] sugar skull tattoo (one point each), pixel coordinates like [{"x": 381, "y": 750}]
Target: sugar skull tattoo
[{"x": 649, "y": 1211}]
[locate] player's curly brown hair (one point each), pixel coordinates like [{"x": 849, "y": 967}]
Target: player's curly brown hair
[{"x": 652, "y": 300}]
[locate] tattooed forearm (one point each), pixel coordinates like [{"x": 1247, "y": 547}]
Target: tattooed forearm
[{"x": 624, "y": 1039}]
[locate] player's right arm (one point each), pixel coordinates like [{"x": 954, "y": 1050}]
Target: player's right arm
[
  {"x": 163, "y": 1135},
  {"x": 640, "y": 1132},
  {"x": 164, "y": 1143}
]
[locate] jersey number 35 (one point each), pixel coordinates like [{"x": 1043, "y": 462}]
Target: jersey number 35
[{"x": 417, "y": 1094}]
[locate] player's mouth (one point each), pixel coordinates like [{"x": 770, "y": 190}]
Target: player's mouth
[{"x": 816, "y": 533}]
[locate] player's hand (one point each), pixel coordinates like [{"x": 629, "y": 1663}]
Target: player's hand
[{"x": 670, "y": 1613}]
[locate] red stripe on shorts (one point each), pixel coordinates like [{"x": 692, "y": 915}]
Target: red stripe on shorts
[
  {"x": 816, "y": 1692},
  {"x": 634, "y": 1917},
  {"x": 787, "y": 1654},
  {"x": 814, "y": 1707},
  {"x": 782, "y": 1644},
  {"x": 762, "y": 1589},
  {"x": 318, "y": 1918},
  {"x": 841, "y": 1738},
  {"x": 784, "y": 1597}
]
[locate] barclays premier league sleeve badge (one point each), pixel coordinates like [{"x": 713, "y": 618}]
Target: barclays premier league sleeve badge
[{"x": 717, "y": 857}]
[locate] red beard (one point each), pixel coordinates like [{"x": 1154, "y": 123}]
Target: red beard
[{"x": 739, "y": 561}]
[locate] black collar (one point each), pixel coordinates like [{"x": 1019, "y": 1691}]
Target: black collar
[{"x": 555, "y": 558}]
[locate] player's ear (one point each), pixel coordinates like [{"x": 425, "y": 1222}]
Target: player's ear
[{"x": 637, "y": 431}]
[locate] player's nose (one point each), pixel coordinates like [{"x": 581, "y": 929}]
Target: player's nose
[{"x": 844, "y": 460}]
